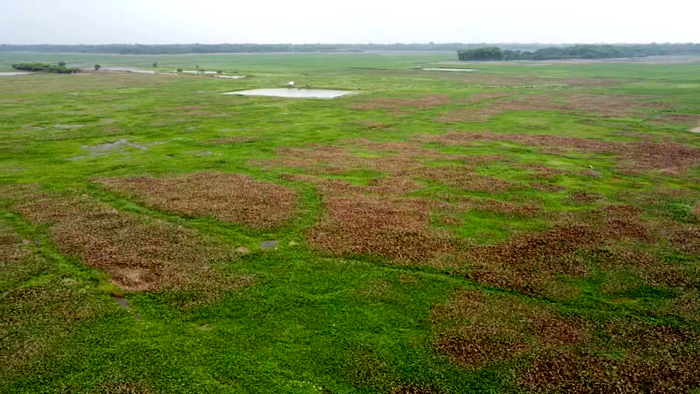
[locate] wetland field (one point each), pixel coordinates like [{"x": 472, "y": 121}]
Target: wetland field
[{"x": 515, "y": 228}]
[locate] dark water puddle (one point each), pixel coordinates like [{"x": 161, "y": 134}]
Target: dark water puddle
[
  {"x": 124, "y": 303},
  {"x": 269, "y": 244}
]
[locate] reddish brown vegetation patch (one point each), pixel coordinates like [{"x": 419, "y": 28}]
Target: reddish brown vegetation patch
[
  {"x": 137, "y": 255},
  {"x": 395, "y": 228},
  {"x": 541, "y": 171},
  {"x": 36, "y": 318},
  {"x": 479, "y": 329},
  {"x": 485, "y": 96},
  {"x": 406, "y": 163},
  {"x": 585, "y": 197},
  {"x": 415, "y": 389},
  {"x": 466, "y": 204},
  {"x": 530, "y": 263},
  {"x": 475, "y": 329},
  {"x": 13, "y": 249},
  {"x": 229, "y": 197},
  {"x": 123, "y": 388},
  {"x": 643, "y": 155},
  {"x": 678, "y": 118},
  {"x": 228, "y": 140},
  {"x": 400, "y": 103},
  {"x": 582, "y": 373},
  {"x": 610, "y": 106},
  {"x": 464, "y": 178}
]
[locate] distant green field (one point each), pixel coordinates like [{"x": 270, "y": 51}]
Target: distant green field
[{"x": 519, "y": 228}]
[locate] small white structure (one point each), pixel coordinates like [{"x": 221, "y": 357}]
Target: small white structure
[{"x": 290, "y": 84}]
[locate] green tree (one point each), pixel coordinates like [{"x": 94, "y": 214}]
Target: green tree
[
  {"x": 97, "y": 67},
  {"x": 62, "y": 64}
]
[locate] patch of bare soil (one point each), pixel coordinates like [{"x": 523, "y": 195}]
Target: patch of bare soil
[
  {"x": 228, "y": 197},
  {"x": 137, "y": 255},
  {"x": 634, "y": 156}
]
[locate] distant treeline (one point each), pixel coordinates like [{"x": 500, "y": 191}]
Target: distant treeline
[
  {"x": 45, "y": 67},
  {"x": 580, "y": 52},
  {"x": 175, "y": 49}
]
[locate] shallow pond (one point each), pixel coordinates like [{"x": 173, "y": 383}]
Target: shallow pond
[
  {"x": 199, "y": 72},
  {"x": 13, "y": 73},
  {"x": 231, "y": 76},
  {"x": 128, "y": 69},
  {"x": 293, "y": 93},
  {"x": 450, "y": 69}
]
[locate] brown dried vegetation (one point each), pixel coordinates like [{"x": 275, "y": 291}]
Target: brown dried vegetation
[
  {"x": 585, "y": 197},
  {"x": 39, "y": 317},
  {"x": 476, "y": 329},
  {"x": 13, "y": 249},
  {"x": 395, "y": 228},
  {"x": 635, "y": 156},
  {"x": 397, "y": 104},
  {"x": 137, "y": 255},
  {"x": 229, "y": 197},
  {"x": 584, "y": 373},
  {"x": 228, "y": 140},
  {"x": 610, "y": 106}
]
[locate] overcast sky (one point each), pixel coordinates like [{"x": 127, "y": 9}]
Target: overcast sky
[{"x": 358, "y": 21}]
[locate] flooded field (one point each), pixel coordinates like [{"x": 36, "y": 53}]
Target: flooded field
[
  {"x": 293, "y": 93},
  {"x": 128, "y": 69},
  {"x": 198, "y": 72}
]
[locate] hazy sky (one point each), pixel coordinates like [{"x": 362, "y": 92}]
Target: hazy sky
[{"x": 358, "y": 21}]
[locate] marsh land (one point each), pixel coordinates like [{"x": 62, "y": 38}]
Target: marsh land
[{"x": 517, "y": 228}]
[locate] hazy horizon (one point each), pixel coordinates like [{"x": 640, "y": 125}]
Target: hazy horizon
[{"x": 312, "y": 21}]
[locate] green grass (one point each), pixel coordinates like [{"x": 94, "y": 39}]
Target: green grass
[{"x": 311, "y": 322}]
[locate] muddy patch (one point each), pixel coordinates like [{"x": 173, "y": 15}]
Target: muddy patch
[
  {"x": 229, "y": 197},
  {"x": 293, "y": 93}
]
